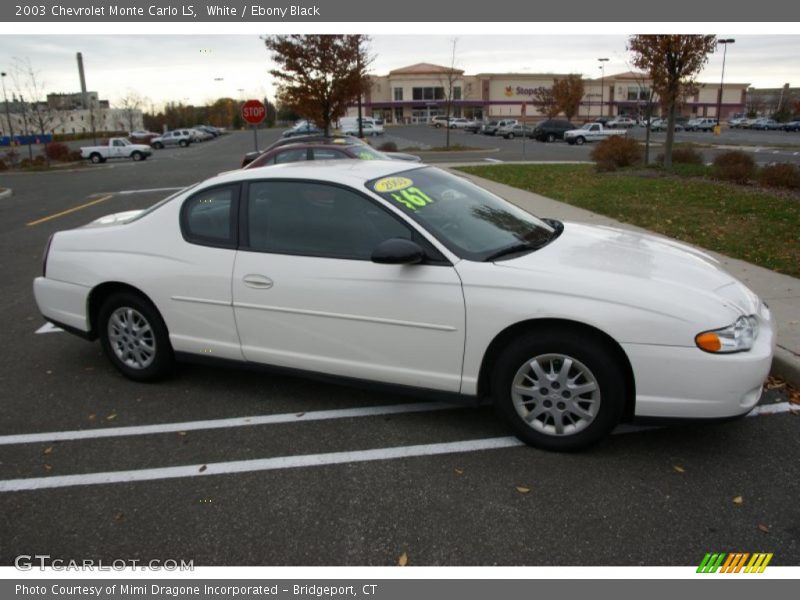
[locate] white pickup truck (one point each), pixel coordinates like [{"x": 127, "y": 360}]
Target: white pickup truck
[
  {"x": 591, "y": 132},
  {"x": 116, "y": 148}
]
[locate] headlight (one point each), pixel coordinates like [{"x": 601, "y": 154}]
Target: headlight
[{"x": 733, "y": 338}]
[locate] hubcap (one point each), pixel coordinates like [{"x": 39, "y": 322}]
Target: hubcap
[
  {"x": 131, "y": 338},
  {"x": 556, "y": 394}
]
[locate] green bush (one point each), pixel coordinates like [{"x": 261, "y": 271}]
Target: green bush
[
  {"x": 734, "y": 166},
  {"x": 683, "y": 156},
  {"x": 781, "y": 175},
  {"x": 616, "y": 152}
]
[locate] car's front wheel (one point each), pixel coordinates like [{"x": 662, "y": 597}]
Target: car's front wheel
[
  {"x": 134, "y": 337},
  {"x": 551, "y": 137},
  {"x": 559, "y": 390}
]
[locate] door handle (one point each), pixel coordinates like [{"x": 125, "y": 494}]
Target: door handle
[{"x": 258, "y": 282}]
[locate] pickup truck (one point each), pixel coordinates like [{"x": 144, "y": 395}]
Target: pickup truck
[
  {"x": 116, "y": 148},
  {"x": 590, "y": 132}
]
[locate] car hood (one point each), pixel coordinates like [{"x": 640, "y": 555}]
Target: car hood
[{"x": 645, "y": 269}]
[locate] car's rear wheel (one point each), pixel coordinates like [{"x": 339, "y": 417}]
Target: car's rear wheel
[
  {"x": 551, "y": 137},
  {"x": 158, "y": 145},
  {"x": 559, "y": 390},
  {"x": 134, "y": 337},
  {"x": 510, "y": 136},
  {"x": 183, "y": 143}
]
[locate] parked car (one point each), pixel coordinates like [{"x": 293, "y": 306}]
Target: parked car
[
  {"x": 736, "y": 122},
  {"x": 517, "y": 130},
  {"x": 663, "y": 125},
  {"x": 322, "y": 139},
  {"x": 458, "y": 123},
  {"x": 551, "y": 130},
  {"x": 367, "y": 129},
  {"x": 473, "y": 126},
  {"x": 591, "y": 132},
  {"x": 492, "y": 126},
  {"x": 212, "y": 131},
  {"x": 199, "y": 135},
  {"x": 440, "y": 121},
  {"x": 415, "y": 277},
  {"x": 701, "y": 124},
  {"x": 320, "y": 150},
  {"x": 177, "y": 137},
  {"x": 302, "y": 128},
  {"x": 116, "y": 148},
  {"x": 766, "y": 124},
  {"x": 142, "y": 137},
  {"x": 621, "y": 122},
  {"x": 792, "y": 126}
]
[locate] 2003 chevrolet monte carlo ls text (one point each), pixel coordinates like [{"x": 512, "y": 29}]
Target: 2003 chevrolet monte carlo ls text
[{"x": 371, "y": 271}]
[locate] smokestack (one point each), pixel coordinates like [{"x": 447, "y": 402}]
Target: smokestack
[{"x": 80, "y": 72}]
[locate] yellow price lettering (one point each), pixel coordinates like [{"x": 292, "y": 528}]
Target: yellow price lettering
[{"x": 412, "y": 198}]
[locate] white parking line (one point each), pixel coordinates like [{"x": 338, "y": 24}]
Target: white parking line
[
  {"x": 492, "y": 160},
  {"x": 319, "y": 415},
  {"x": 308, "y": 460},
  {"x": 261, "y": 464}
]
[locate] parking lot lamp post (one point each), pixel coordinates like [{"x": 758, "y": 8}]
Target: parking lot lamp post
[
  {"x": 603, "y": 62},
  {"x": 724, "y": 43},
  {"x": 8, "y": 112}
]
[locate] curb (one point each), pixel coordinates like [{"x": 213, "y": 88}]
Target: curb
[
  {"x": 5, "y": 193},
  {"x": 786, "y": 365}
]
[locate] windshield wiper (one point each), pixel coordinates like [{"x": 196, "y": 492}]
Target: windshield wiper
[{"x": 512, "y": 249}]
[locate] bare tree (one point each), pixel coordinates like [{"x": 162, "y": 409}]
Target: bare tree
[
  {"x": 672, "y": 61},
  {"x": 36, "y": 113},
  {"x": 131, "y": 104}
]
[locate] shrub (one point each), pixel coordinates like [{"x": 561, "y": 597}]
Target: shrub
[
  {"x": 3, "y": 165},
  {"x": 388, "y": 147},
  {"x": 684, "y": 156},
  {"x": 38, "y": 160},
  {"x": 75, "y": 156},
  {"x": 782, "y": 175},
  {"x": 734, "y": 166},
  {"x": 615, "y": 152},
  {"x": 25, "y": 163},
  {"x": 57, "y": 151}
]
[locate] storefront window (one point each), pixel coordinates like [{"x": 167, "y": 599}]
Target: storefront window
[{"x": 398, "y": 94}]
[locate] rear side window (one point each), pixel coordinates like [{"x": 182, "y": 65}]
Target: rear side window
[{"x": 209, "y": 217}]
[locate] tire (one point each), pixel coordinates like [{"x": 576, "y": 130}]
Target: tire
[
  {"x": 510, "y": 136},
  {"x": 134, "y": 337},
  {"x": 580, "y": 140},
  {"x": 137, "y": 156},
  {"x": 571, "y": 142},
  {"x": 551, "y": 137},
  {"x": 158, "y": 145},
  {"x": 183, "y": 143},
  {"x": 95, "y": 158},
  {"x": 560, "y": 417}
]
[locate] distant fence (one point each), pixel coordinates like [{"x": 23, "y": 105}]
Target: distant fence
[{"x": 24, "y": 140}]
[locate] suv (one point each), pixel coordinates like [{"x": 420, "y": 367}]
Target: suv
[
  {"x": 492, "y": 126},
  {"x": 621, "y": 122},
  {"x": 551, "y": 130},
  {"x": 179, "y": 137},
  {"x": 701, "y": 124},
  {"x": 440, "y": 121}
]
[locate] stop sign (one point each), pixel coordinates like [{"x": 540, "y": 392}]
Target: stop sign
[{"x": 254, "y": 111}]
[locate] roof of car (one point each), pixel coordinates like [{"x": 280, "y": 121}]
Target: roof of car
[{"x": 351, "y": 172}]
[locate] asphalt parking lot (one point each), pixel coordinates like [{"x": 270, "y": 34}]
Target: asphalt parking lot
[{"x": 232, "y": 467}]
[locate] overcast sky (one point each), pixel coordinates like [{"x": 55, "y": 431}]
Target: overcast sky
[{"x": 198, "y": 68}]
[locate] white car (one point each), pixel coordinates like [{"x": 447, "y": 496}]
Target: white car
[
  {"x": 370, "y": 270},
  {"x": 367, "y": 129}
]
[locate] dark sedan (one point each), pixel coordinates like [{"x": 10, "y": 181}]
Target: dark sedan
[{"x": 551, "y": 130}]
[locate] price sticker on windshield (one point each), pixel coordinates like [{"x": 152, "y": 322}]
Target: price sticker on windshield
[
  {"x": 392, "y": 184},
  {"x": 412, "y": 198}
]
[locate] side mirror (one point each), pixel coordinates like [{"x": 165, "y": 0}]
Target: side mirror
[{"x": 398, "y": 251}]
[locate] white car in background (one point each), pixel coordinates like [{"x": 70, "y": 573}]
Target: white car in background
[{"x": 371, "y": 270}]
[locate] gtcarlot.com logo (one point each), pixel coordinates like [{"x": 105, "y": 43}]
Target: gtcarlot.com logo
[{"x": 734, "y": 562}]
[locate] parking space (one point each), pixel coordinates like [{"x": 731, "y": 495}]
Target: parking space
[{"x": 227, "y": 466}]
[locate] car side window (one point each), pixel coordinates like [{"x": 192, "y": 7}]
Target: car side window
[
  {"x": 317, "y": 219},
  {"x": 209, "y": 217},
  {"x": 328, "y": 154},
  {"x": 293, "y": 155}
]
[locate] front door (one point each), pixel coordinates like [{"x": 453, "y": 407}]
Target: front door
[{"x": 307, "y": 296}]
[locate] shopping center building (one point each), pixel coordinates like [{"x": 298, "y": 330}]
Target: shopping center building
[{"x": 419, "y": 92}]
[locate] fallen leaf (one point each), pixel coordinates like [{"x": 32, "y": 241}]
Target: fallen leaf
[
  {"x": 459, "y": 471},
  {"x": 403, "y": 560},
  {"x": 48, "y": 467},
  {"x": 49, "y": 372},
  {"x": 111, "y": 417},
  {"x": 48, "y": 450},
  {"x": 738, "y": 500},
  {"x": 523, "y": 490},
  {"x": 763, "y": 528},
  {"x": 203, "y": 468},
  {"x": 679, "y": 469},
  {"x": 182, "y": 433},
  {"x": 92, "y": 417},
  {"x": 119, "y": 517},
  {"x": 300, "y": 414}
]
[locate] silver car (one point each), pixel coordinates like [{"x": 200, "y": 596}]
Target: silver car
[{"x": 176, "y": 137}]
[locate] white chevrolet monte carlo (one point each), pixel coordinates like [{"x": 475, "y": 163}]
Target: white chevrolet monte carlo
[{"x": 371, "y": 271}]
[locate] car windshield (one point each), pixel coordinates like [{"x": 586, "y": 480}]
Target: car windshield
[
  {"x": 588, "y": 125},
  {"x": 470, "y": 221},
  {"x": 365, "y": 152}
]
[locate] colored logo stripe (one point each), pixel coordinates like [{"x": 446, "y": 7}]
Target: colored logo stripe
[{"x": 734, "y": 562}]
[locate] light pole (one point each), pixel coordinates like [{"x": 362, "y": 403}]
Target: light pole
[
  {"x": 724, "y": 43},
  {"x": 8, "y": 113},
  {"x": 602, "y": 67}
]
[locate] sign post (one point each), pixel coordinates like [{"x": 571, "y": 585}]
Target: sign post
[
  {"x": 524, "y": 120},
  {"x": 254, "y": 112}
]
